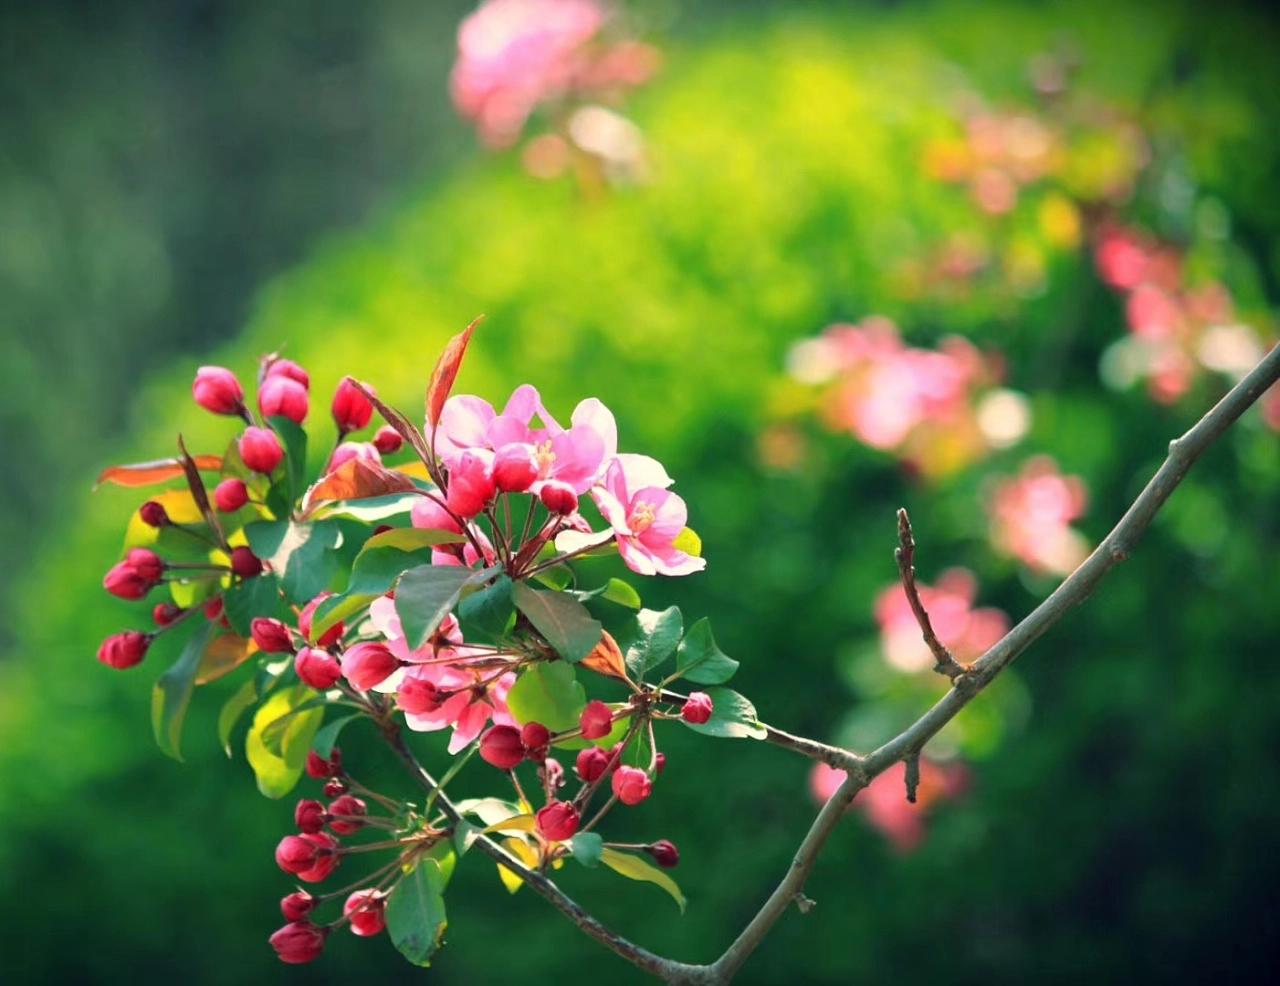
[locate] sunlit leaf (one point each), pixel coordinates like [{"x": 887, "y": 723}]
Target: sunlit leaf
[
  {"x": 525, "y": 854},
  {"x": 301, "y": 555},
  {"x": 153, "y": 472},
  {"x": 278, "y": 770},
  {"x": 356, "y": 479},
  {"x": 635, "y": 868},
  {"x": 233, "y": 709},
  {"x": 548, "y": 693}
]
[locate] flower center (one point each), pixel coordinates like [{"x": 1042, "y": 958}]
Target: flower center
[
  {"x": 544, "y": 457},
  {"x": 641, "y": 517}
]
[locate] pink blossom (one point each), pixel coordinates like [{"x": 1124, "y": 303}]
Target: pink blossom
[
  {"x": 645, "y": 516},
  {"x": 430, "y": 515},
  {"x": 966, "y": 632},
  {"x": 347, "y": 451},
  {"x": 884, "y": 800},
  {"x": 1031, "y": 514}
]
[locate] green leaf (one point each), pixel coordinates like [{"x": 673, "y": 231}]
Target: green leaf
[
  {"x": 561, "y": 619},
  {"x": 550, "y": 694},
  {"x": 172, "y": 692},
  {"x": 489, "y": 610},
  {"x": 233, "y": 709},
  {"x": 373, "y": 509},
  {"x": 278, "y": 770},
  {"x": 732, "y": 716},
  {"x": 301, "y": 555},
  {"x": 424, "y": 597},
  {"x": 586, "y": 848},
  {"x": 327, "y": 738},
  {"x": 416, "y": 919},
  {"x": 699, "y": 659},
  {"x": 650, "y": 638},
  {"x": 294, "y": 440},
  {"x": 250, "y": 598},
  {"x": 635, "y": 868},
  {"x": 192, "y": 592},
  {"x": 688, "y": 542},
  {"x": 616, "y": 591}
]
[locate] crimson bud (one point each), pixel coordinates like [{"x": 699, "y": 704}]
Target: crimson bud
[
  {"x": 660, "y": 763},
  {"x": 288, "y": 368},
  {"x": 470, "y": 485},
  {"x": 366, "y": 910},
  {"x": 165, "y": 613},
  {"x": 213, "y": 608},
  {"x": 271, "y": 636},
  {"x": 697, "y": 708},
  {"x": 592, "y": 763},
  {"x": 153, "y": 514},
  {"x": 284, "y": 397},
  {"x": 146, "y": 563},
  {"x": 330, "y": 636},
  {"x": 260, "y": 449},
  {"x": 299, "y": 942},
  {"x": 230, "y": 495},
  {"x": 368, "y": 664},
  {"x": 317, "y": 668},
  {"x": 596, "y": 720},
  {"x": 297, "y": 905},
  {"x": 124, "y": 650},
  {"x": 334, "y": 787},
  {"x": 631, "y": 785},
  {"x": 347, "y": 451},
  {"x": 514, "y": 468},
  {"x": 351, "y": 409},
  {"x": 347, "y": 804},
  {"x": 535, "y": 737},
  {"x": 216, "y": 389},
  {"x": 664, "y": 853},
  {"x": 311, "y": 856},
  {"x": 558, "y": 821},
  {"x": 501, "y": 746},
  {"x": 387, "y": 440},
  {"x": 417, "y": 696},
  {"x": 309, "y": 816},
  {"x": 318, "y": 767},
  {"x": 558, "y": 497},
  {"x": 245, "y": 563}
]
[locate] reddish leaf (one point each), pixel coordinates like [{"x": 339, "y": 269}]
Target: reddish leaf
[
  {"x": 223, "y": 655},
  {"x": 397, "y": 421},
  {"x": 607, "y": 658},
  {"x": 357, "y": 479},
  {"x": 198, "y": 492},
  {"x": 156, "y": 471},
  {"x": 446, "y": 371}
]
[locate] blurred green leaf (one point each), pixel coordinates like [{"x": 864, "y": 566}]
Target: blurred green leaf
[
  {"x": 327, "y": 737},
  {"x": 586, "y": 848},
  {"x": 233, "y": 709},
  {"x": 172, "y": 692}
]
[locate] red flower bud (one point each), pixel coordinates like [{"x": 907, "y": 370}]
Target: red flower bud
[
  {"x": 330, "y": 636},
  {"x": 216, "y": 389},
  {"x": 351, "y": 409},
  {"x": 631, "y": 785},
  {"x": 124, "y": 583},
  {"x": 230, "y": 495},
  {"x": 660, "y": 763},
  {"x": 213, "y": 609},
  {"x": 697, "y": 708},
  {"x": 501, "y": 746},
  {"x": 558, "y": 821},
  {"x": 288, "y": 368},
  {"x": 353, "y": 450},
  {"x": 153, "y": 514},
  {"x": 310, "y": 857},
  {"x": 245, "y": 563},
  {"x": 284, "y": 397},
  {"x": 146, "y": 563},
  {"x": 535, "y": 737},
  {"x": 124, "y": 650},
  {"x": 596, "y": 720},
  {"x": 299, "y": 942},
  {"x": 334, "y": 787},
  {"x": 558, "y": 497},
  {"x": 309, "y": 816},
  {"x": 470, "y": 485},
  {"x": 368, "y": 664},
  {"x": 297, "y": 905},
  {"x": 271, "y": 636},
  {"x": 366, "y": 910},
  {"x": 417, "y": 696},
  {"x": 387, "y": 440},
  {"x": 347, "y": 804},
  {"x": 514, "y": 468},
  {"x": 592, "y": 763},
  {"x": 664, "y": 853},
  {"x": 165, "y": 613},
  {"x": 260, "y": 449},
  {"x": 317, "y": 668},
  {"x": 318, "y": 767}
]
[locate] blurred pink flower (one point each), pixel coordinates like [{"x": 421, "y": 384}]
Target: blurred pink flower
[
  {"x": 884, "y": 801},
  {"x": 1031, "y": 514},
  {"x": 967, "y": 632}
]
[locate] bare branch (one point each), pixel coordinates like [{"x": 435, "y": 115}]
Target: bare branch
[
  {"x": 905, "y": 554},
  {"x": 907, "y": 746}
]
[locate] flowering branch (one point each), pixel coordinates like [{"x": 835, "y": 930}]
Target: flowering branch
[{"x": 907, "y": 745}]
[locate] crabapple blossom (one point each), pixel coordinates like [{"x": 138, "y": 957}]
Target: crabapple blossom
[
  {"x": 216, "y": 389},
  {"x": 515, "y": 467},
  {"x": 297, "y": 905},
  {"x": 368, "y": 664},
  {"x": 558, "y": 821},
  {"x": 124, "y": 650},
  {"x": 502, "y": 747},
  {"x": 366, "y": 910},
  {"x": 230, "y": 495},
  {"x": 471, "y": 486},
  {"x": 299, "y": 942},
  {"x": 309, "y": 816},
  {"x": 317, "y": 668},
  {"x": 631, "y": 784},
  {"x": 351, "y": 409},
  {"x": 645, "y": 516},
  {"x": 900, "y": 820},
  {"x": 260, "y": 449},
  {"x": 558, "y": 497},
  {"x": 281, "y": 395}
]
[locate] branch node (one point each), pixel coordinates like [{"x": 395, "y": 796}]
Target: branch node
[
  {"x": 944, "y": 663},
  {"x": 804, "y": 904},
  {"x": 912, "y": 760},
  {"x": 1120, "y": 551}
]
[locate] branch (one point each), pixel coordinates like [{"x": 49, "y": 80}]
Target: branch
[
  {"x": 944, "y": 663},
  {"x": 1115, "y": 548}
]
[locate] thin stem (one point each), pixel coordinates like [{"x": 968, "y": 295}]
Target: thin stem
[{"x": 944, "y": 663}]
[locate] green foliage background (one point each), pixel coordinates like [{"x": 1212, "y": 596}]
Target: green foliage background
[{"x": 1129, "y": 830}]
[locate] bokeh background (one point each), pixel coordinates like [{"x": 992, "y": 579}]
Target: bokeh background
[{"x": 205, "y": 182}]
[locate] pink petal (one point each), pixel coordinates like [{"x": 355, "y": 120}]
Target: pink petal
[
  {"x": 673, "y": 562},
  {"x": 579, "y": 455},
  {"x": 449, "y": 712},
  {"x": 670, "y": 515},
  {"x": 463, "y": 422},
  {"x": 636, "y": 556},
  {"x": 469, "y": 725},
  {"x": 641, "y": 471},
  {"x": 594, "y": 415}
]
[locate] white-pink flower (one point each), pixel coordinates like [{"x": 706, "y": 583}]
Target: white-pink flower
[{"x": 645, "y": 516}]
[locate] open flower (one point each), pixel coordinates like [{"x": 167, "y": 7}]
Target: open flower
[{"x": 645, "y": 516}]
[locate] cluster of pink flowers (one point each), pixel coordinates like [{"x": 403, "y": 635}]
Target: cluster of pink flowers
[
  {"x": 515, "y": 56},
  {"x": 1031, "y": 515},
  {"x": 901, "y": 821},
  {"x": 926, "y": 406},
  {"x": 1177, "y": 328},
  {"x": 964, "y": 630}
]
